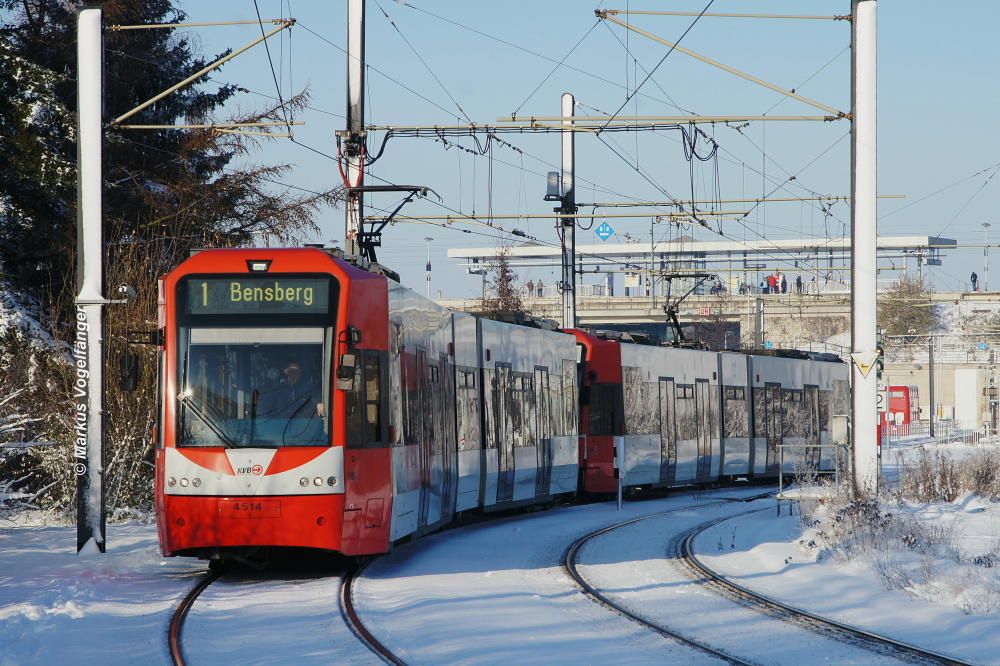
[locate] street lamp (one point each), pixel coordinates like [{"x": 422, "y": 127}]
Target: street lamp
[
  {"x": 986, "y": 256},
  {"x": 428, "y": 239}
]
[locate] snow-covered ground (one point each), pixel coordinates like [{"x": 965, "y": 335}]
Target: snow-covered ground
[{"x": 488, "y": 593}]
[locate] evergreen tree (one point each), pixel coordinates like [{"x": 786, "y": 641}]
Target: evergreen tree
[
  {"x": 169, "y": 187},
  {"x": 165, "y": 192}
]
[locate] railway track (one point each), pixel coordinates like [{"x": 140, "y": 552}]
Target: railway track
[
  {"x": 786, "y": 611},
  {"x": 180, "y": 613},
  {"x": 347, "y": 612},
  {"x": 681, "y": 549},
  {"x": 354, "y": 621},
  {"x": 570, "y": 564}
]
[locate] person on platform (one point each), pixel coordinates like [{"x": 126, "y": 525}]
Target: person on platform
[
  {"x": 783, "y": 283},
  {"x": 975, "y": 281},
  {"x": 798, "y": 284}
]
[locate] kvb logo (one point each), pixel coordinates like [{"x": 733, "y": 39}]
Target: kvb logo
[{"x": 256, "y": 470}]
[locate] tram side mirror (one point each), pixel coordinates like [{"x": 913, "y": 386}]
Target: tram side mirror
[
  {"x": 128, "y": 372},
  {"x": 345, "y": 371}
]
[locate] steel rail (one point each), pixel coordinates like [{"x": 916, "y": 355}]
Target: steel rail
[
  {"x": 569, "y": 563},
  {"x": 354, "y": 623},
  {"x": 180, "y": 613},
  {"x": 783, "y": 609}
]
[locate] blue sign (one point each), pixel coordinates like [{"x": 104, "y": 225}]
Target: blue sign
[
  {"x": 982, "y": 346},
  {"x": 604, "y": 231},
  {"x": 768, "y": 344}
]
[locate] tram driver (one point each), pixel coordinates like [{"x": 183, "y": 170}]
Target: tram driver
[{"x": 294, "y": 396}]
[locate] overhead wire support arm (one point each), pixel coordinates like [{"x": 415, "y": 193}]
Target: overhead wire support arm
[
  {"x": 608, "y": 17},
  {"x": 620, "y": 12},
  {"x": 284, "y": 23},
  {"x": 522, "y": 124},
  {"x": 153, "y": 26},
  {"x": 214, "y": 126},
  {"x": 629, "y": 204},
  {"x": 638, "y": 121},
  {"x": 525, "y": 216}
]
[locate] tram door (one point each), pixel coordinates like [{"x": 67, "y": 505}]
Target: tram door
[
  {"x": 703, "y": 408},
  {"x": 447, "y": 440},
  {"x": 810, "y": 414},
  {"x": 503, "y": 390},
  {"x": 426, "y": 433},
  {"x": 668, "y": 431},
  {"x": 543, "y": 431},
  {"x": 772, "y": 423}
]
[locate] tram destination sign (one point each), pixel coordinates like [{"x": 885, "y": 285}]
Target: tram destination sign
[{"x": 260, "y": 295}]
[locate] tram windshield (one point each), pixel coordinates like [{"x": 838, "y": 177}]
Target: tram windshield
[{"x": 254, "y": 387}]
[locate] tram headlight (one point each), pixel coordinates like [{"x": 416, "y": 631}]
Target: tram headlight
[
  {"x": 196, "y": 482},
  {"x": 171, "y": 482},
  {"x": 184, "y": 482},
  {"x": 303, "y": 482},
  {"x": 318, "y": 481},
  {"x": 332, "y": 481}
]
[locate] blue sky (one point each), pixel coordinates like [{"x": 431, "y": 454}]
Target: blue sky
[{"x": 937, "y": 93}]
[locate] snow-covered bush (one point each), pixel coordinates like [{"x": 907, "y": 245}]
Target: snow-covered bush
[{"x": 907, "y": 536}]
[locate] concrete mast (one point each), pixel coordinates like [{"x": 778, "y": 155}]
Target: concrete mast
[
  {"x": 88, "y": 348},
  {"x": 863, "y": 247},
  {"x": 355, "y": 135},
  {"x": 568, "y": 206}
]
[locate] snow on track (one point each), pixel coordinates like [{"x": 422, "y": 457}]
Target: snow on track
[{"x": 497, "y": 593}]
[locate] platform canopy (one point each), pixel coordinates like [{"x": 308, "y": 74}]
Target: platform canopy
[{"x": 766, "y": 251}]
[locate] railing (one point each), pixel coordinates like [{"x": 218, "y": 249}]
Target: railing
[
  {"x": 944, "y": 431},
  {"x": 814, "y": 491}
]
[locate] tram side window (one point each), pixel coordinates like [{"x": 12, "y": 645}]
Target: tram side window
[
  {"x": 373, "y": 398},
  {"x": 365, "y": 418},
  {"x": 569, "y": 422},
  {"x": 354, "y": 413}
]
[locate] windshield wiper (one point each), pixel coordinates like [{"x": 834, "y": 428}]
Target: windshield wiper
[{"x": 212, "y": 425}]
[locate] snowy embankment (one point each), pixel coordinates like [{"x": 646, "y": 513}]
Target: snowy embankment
[{"x": 775, "y": 557}]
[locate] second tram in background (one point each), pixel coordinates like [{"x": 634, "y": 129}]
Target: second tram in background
[
  {"x": 904, "y": 409},
  {"x": 307, "y": 402}
]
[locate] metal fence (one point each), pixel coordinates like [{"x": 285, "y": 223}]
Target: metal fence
[{"x": 944, "y": 431}]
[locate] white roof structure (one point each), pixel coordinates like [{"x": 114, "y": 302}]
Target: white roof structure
[{"x": 782, "y": 250}]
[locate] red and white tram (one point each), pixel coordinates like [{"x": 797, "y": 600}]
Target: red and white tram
[{"x": 309, "y": 403}]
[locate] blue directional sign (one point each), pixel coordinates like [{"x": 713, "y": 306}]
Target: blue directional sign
[
  {"x": 604, "y": 231},
  {"x": 982, "y": 346},
  {"x": 768, "y": 344}
]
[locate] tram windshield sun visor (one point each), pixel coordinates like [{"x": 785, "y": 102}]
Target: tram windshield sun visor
[{"x": 254, "y": 387}]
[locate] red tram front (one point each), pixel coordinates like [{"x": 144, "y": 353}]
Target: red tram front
[{"x": 251, "y": 450}]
